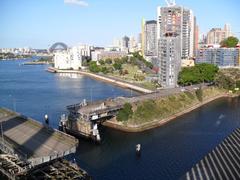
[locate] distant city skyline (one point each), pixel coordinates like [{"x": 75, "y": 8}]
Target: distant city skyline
[{"x": 39, "y": 24}]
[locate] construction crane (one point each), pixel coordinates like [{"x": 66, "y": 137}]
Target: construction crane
[{"x": 170, "y": 3}]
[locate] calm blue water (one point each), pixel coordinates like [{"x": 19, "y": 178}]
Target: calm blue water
[
  {"x": 33, "y": 91},
  {"x": 168, "y": 151}
]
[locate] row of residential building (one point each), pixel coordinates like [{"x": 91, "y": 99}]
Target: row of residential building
[
  {"x": 74, "y": 57},
  {"x": 25, "y": 50},
  {"x": 217, "y": 35},
  {"x": 168, "y": 42},
  {"x": 128, "y": 44},
  {"x": 222, "y": 57},
  {"x": 173, "y": 38},
  {"x": 169, "y": 39}
]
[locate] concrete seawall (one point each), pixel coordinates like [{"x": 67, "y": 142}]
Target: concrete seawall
[
  {"x": 158, "y": 123},
  {"x": 119, "y": 83}
]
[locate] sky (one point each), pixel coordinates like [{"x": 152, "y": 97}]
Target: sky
[{"x": 41, "y": 23}]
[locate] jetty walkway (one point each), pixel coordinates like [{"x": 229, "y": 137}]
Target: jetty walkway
[{"x": 29, "y": 146}]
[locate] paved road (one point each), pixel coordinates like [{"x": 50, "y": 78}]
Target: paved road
[
  {"x": 165, "y": 92},
  {"x": 96, "y": 107}
]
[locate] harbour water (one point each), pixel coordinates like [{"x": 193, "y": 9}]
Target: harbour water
[{"x": 167, "y": 152}]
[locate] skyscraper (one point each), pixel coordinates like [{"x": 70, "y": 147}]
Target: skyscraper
[
  {"x": 170, "y": 60},
  {"x": 227, "y": 29},
  {"x": 150, "y": 38},
  {"x": 132, "y": 44},
  {"x": 196, "y": 36},
  {"x": 179, "y": 20},
  {"x": 175, "y": 37},
  {"x": 125, "y": 43}
]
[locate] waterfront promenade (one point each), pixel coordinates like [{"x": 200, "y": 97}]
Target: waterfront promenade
[{"x": 104, "y": 78}]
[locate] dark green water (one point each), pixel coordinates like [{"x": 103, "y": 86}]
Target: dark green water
[{"x": 167, "y": 152}]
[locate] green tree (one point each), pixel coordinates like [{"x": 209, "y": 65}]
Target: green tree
[
  {"x": 125, "y": 113},
  {"x": 117, "y": 66},
  {"x": 197, "y": 74},
  {"x": 230, "y": 42},
  {"x": 93, "y": 67},
  {"x": 190, "y": 75},
  {"x": 207, "y": 71}
]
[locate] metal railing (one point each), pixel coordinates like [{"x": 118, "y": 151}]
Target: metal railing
[{"x": 52, "y": 156}]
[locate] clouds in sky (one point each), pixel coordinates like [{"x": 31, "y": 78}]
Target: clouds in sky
[{"x": 76, "y": 2}]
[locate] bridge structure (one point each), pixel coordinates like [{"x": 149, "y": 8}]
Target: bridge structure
[
  {"x": 26, "y": 143},
  {"x": 83, "y": 118},
  {"x": 223, "y": 162},
  {"x": 58, "y": 46}
]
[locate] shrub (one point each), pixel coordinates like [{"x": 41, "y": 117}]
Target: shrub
[
  {"x": 93, "y": 67},
  {"x": 199, "y": 94},
  {"x": 101, "y": 62},
  {"x": 104, "y": 70},
  {"x": 238, "y": 84},
  {"x": 222, "y": 80},
  {"x": 146, "y": 111},
  {"x": 117, "y": 66},
  {"x": 108, "y": 61},
  {"x": 189, "y": 94},
  {"x": 125, "y": 113}
]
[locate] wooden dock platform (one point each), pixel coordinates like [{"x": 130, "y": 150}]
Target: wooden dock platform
[
  {"x": 13, "y": 169},
  {"x": 221, "y": 163},
  {"x": 58, "y": 169},
  {"x": 31, "y": 141}
]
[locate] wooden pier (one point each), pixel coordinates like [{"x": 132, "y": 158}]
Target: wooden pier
[
  {"x": 13, "y": 168},
  {"x": 57, "y": 169},
  {"x": 32, "y": 141},
  {"x": 221, "y": 163},
  {"x": 30, "y": 150}
]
